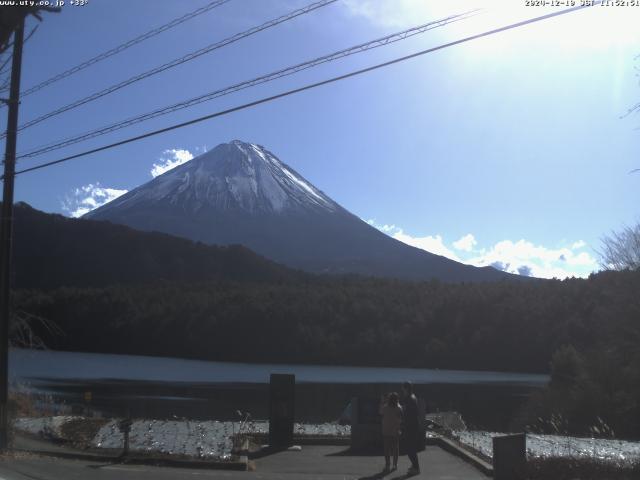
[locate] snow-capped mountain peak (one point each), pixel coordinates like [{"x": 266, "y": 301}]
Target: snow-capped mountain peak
[{"x": 233, "y": 176}]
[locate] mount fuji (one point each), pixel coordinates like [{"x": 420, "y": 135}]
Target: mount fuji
[{"x": 240, "y": 193}]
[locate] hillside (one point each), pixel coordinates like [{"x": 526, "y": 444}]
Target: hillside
[{"x": 51, "y": 251}]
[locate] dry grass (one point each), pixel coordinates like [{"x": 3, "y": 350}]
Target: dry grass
[
  {"x": 22, "y": 405},
  {"x": 13, "y": 455},
  {"x": 81, "y": 431}
]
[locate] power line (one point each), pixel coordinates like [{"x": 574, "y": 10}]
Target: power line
[
  {"x": 395, "y": 37},
  {"x": 307, "y": 87},
  {"x": 3, "y": 70},
  {"x": 178, "y": 61},
  {"x": 120, "y": 48}
]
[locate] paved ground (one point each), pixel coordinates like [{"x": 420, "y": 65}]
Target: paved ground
[{"x": 313, "y": 462}]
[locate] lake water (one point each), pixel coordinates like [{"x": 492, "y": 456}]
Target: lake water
[
  {"x": 166, "y": 387},
  {"x": 39, "y": 364}
]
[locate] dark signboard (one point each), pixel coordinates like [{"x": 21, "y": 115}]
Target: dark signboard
[
  {"x": 368, "y": 410},
  {"x": 281, "y": 409},
  {"x": 509, "y": 457}
]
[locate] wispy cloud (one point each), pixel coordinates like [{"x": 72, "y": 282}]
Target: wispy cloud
[
  {"x": 520, "y": 257},
  {"x": 89, "y": 197},
  {"x": 389, "y": 13},
  {"x": 170, "y": 159}
]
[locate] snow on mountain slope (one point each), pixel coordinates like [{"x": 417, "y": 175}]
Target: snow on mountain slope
[{"x": 233, "y": 176}]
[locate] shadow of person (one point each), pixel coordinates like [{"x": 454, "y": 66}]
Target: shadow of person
[
  {"x": 104, "y": 465},
  {"x": 376, "y": 476},
  {"x": 404, "y": 476},
  {"x": 348, "y": 452}
]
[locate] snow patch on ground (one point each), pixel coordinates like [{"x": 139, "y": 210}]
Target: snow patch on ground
[
  {"x": 212, "y": 439},
  {"x": 48, "y": 427},
  {"x": 195, "y": 438},
  {"x": 208, "y": 439},
  {"x": 547, "y": 446}
]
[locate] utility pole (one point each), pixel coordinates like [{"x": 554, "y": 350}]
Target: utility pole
[{"x": 6, "y": 227}]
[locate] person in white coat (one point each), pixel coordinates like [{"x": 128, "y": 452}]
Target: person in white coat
[{"x": 391, "y": 412}]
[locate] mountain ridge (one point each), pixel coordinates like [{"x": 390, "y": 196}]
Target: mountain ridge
[{"x": 51, "y": 251}]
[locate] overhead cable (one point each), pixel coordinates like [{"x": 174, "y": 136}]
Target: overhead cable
[
  {"x": 178, "y": 61},
  {"x": 379, "y": 42},
  {"x": 306, "y": 87}
]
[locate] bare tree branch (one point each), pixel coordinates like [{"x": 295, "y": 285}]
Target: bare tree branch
[
  {"x": 621, "y": 250},
  {"x": 21, "y": 330}
]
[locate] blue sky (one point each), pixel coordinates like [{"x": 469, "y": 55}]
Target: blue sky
[{"x": 509, "y": 150}]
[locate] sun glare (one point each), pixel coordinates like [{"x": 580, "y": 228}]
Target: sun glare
[{"x": 597, "y": 27}]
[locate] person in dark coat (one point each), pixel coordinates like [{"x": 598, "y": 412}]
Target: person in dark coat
[{"x": 411, "y": 427}]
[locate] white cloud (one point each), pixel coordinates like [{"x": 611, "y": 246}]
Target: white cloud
[
  {"x": 521, "y": 257},
  {"x": 465, "y": 243},
  {"x": 169, "y": 159},
  {"x": 525, "y": 271},
  {"x": 383, "y": 228},
  {"x": 433, "y": 244},
  {"x": 89, "y": 197},
  {"x": 537, "y": 260}
]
